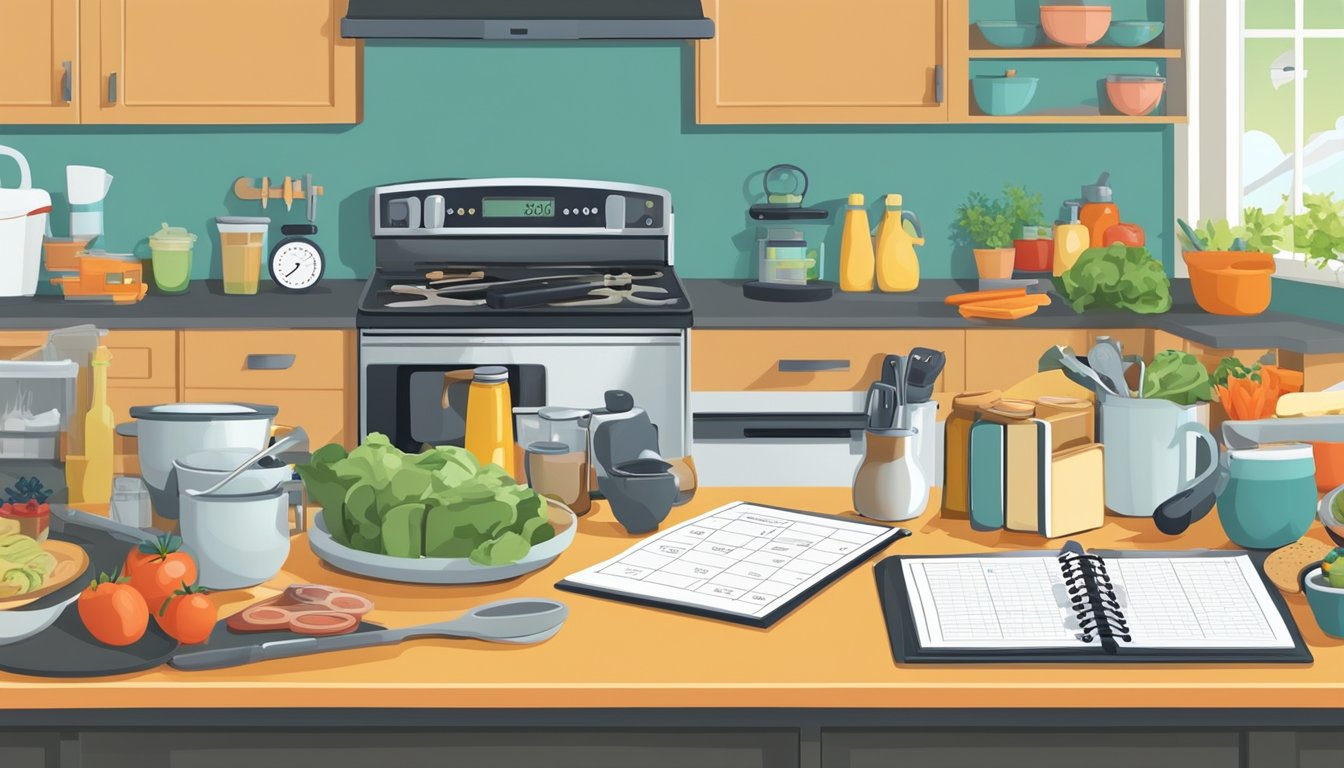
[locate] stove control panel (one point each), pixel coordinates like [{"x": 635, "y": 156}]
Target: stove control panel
[{"x": 468, "y": 207}]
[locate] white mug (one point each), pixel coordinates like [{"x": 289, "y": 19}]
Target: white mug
[{"x": 1150, "y": 454}]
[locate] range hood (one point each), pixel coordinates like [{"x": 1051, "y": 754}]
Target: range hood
[{"x": 527, "y": 19}]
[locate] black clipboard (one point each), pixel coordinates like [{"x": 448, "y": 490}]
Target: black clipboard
[
  {"x": 906, "y": 649},
  {"x": 766, "y": 620}
]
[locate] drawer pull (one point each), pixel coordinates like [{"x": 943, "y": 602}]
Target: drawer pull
[
  {"x": 270, "y": 362},
  {"x": 812, "y": 366}
]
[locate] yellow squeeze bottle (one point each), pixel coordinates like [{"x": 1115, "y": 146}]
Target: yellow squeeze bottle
[
  {"x": 897, "y": 263},
  {"x": 857, "y": 262},
  {"x": 98, "y": 426},
  {"x": 489, "y": 433},
  {"x": 1071, "y": 240}
]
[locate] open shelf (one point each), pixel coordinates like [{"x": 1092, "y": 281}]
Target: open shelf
[
  {"x": 1082, "y": 116},
  {"x": 1075, "y": 53}
]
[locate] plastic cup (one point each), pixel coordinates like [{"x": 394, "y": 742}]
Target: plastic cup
[
  {"x": 242, "y": 241},
  {"x": 170, "y": 255}
]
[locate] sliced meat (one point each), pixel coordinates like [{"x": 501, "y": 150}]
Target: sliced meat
[
  {"x": 349, "y": 602},
  {"x": 312, "y": 623},
  {"x": 310, "y": 593}
]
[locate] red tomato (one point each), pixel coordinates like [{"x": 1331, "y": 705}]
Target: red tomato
[
  {"x": 113, "y": 612},
  {"x": 158, "y": 569},
  {"x": 189, "y": 616},
  {"x": 1124, "y": 232}
]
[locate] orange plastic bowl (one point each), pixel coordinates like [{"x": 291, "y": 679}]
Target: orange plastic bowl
[
  {"x": 1076, "y": 26},
  {"x": 1135, "y": 95},
  {"x": 1230, "y": 282}
]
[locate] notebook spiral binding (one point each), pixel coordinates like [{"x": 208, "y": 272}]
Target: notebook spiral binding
[{"x": 1092, "y": 598}]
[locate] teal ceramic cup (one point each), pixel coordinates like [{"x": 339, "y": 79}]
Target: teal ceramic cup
[
  {"x": 1269, "y": 499},
  {"x": 1327, "y": 604}
]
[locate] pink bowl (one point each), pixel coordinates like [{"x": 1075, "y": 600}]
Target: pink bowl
[
  {"x": 1076, "y": 26},
  {"x": 1134, "y": 94}
]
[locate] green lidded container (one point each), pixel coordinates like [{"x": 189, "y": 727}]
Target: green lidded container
[{"x": 170, "y": 256}]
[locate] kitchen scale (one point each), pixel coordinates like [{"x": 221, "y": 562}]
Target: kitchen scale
[{"x": 297, "y": 263}]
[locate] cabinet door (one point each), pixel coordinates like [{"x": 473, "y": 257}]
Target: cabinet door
[
  {"x": 243, "y": 61},
  {"x": 38, "y": 43},
  {"x": 326, "y": 415},
  {"x": 841, "y": 61},
  {"x": 1002, "y": 357}
]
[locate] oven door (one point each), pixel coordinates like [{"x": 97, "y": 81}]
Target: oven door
[{"x": 403, "y": 379}]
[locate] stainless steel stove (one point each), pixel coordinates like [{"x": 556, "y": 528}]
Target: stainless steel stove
[{"x": 569, "y": 284}]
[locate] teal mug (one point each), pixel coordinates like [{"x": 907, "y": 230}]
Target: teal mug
[{"x": 1267, "y": 497}]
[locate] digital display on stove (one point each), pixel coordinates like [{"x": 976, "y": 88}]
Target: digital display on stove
[{"x": 518, "y": 207}]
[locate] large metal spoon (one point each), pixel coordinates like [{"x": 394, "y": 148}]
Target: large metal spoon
[
  {"x": 298, "y": 436},
  {"x": 519, "y": 621}
]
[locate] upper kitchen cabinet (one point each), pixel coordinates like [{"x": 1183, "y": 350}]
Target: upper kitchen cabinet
[
  {"x": 840, "y": 61},
  {"x": 216, "y": 62},
  {"x": 39, "y": 41}
]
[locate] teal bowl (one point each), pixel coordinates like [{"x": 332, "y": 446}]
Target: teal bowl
[
  {"x": 1132, "y": 34},
  {"x": 999, "y": 95},
  {"x": 1009, "y": 34},
  {"x": 1327, "y": 604}
]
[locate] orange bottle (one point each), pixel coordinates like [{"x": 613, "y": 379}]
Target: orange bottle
[{"x": 1097, "y": 217}]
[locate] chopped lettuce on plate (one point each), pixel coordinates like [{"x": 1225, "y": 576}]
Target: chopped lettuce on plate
[{"x": 440, "y": 503}]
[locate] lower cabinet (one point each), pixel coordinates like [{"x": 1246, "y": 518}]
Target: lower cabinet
[
  {"x": 1030, "y": 749},
  {"x": 28, "y": 750},
  {"x": 498, "y": 749}
]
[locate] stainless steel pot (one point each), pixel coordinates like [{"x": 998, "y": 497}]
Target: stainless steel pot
[{"x": 168, "y": 432}]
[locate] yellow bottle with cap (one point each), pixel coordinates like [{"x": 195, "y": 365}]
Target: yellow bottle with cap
[
  {"x": 897, "y": 235},
  {"x": 857, "y": 262},
  {"x": 96, "y": 487},
  {"x": 1071, "y": 239}
]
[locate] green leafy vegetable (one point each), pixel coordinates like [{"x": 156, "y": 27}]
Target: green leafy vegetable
[
  {"x": 1178, "y": 377},
  {"x": 1232, "y": 368},
  {"x": 1119, "y": 277},
  {"x": 440, "y": 503},
  {"x": 1337, "y": 508}
]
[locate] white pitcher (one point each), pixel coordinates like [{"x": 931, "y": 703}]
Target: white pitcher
[{"x": 1150, "y": 454}]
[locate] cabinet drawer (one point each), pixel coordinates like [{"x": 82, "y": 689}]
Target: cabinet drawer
[
  {"x": 812, "y": 361},
  {"x": 15, "y": 343},
  {"x": 1030, "y": 749},
  {"x": 142, "y": 359},
  {"x": 267, "y": 359},
  {"x": 323, "y": 413}
]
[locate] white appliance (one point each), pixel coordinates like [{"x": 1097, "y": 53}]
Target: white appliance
[
  {"x": 23, "y": 221},
  {"x": 86, "y": 185},
  {"x": 463, "y": 271}
]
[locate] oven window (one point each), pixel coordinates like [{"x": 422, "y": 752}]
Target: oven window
[{"x": 420, "y": 406}]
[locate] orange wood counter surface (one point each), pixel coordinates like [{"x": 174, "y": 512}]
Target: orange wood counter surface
[{"x": 831, "y": 652}]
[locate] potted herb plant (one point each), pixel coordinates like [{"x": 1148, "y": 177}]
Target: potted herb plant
[
  {"x": 1032, "y": 253},
  {"x": 988, "y": 226}
]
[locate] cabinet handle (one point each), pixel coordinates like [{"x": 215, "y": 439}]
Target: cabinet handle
[
  {"x": 112, "y": 88},
  {"x": 270, "y": 362},
  {"x": 938, "y": 83},
  {"x": 66, "y": 95},
  {"x": 812, "y": 366}
]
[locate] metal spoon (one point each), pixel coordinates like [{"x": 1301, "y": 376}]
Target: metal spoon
[
  {"x": 280, "y": 446},
  {"x": 1106, "y": 359},
  {"x": 519, "y": 621}
]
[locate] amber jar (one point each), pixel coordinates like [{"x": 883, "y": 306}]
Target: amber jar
[{"x": 957, "y": 448}]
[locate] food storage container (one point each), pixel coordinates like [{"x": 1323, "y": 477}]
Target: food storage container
[
  {"x": 242, "y": 245},
  {"x": 1269, "y": 500},
  {"x": 37, "y": 398},
  {"x": 170, "y": 256},
  {"x": 1134, "y": 95},
  {"x": 130, "y": 502}
]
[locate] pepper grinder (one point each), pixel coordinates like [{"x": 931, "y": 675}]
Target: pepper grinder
[{"x": 889, "y": 485}]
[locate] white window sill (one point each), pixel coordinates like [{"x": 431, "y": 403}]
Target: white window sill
[{"x": 1295, "y": 267}]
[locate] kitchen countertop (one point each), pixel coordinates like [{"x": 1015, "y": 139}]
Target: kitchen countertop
[
  {"x": 720, "y": 304},
  {"x": 330, "y": 304},
  {"x": 830, "y": 653}
]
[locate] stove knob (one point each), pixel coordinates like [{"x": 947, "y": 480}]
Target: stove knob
[{"x": 434, "y": 212}]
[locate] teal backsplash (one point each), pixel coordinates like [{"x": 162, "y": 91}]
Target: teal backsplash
[{"x": 617, "y": 112}]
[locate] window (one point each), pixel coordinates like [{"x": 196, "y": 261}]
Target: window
[{"x": 1291, "y": 108}]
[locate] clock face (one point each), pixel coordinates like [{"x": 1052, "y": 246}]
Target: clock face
[{"x": 296, "y": 265}]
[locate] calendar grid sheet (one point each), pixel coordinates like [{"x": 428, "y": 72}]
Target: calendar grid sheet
[{"x": 741, "y": 559}]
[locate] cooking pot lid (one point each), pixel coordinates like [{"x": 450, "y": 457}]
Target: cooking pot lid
[
  {"x": 203, "y": 412},
  {"x": 1282, "y": 452}
]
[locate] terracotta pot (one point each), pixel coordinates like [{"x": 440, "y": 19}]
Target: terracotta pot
[{"x": 994, "y": 263}]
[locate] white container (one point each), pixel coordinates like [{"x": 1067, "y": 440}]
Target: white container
[
  {"x": 36, "y": 400},
  {"x": 204, "y": 470},
  {"x": 23, "y": 222},
  {"x": 130, "y": 502},
  {"x": 237, "y": 540},
  {"x": 888, "y": 485},
  {"x": 1150, "y": 451}
]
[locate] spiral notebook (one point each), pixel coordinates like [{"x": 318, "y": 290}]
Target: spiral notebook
[{"x": 1077, "y": 606}]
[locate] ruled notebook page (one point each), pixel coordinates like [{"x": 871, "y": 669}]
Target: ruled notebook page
[
  {"x": 1192, "y": 602},
  {"x": 991, "y": 602}
]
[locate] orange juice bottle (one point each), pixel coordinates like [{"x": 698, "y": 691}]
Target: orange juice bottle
[
  {"x": 1097, "y": 217},
  {"x": 858, "y": 264}
]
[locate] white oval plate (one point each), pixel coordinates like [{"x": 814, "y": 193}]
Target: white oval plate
[{"x": 441, "y": 570}]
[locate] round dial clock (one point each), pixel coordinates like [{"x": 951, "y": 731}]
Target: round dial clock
[{"x": 296, "y": 262}]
